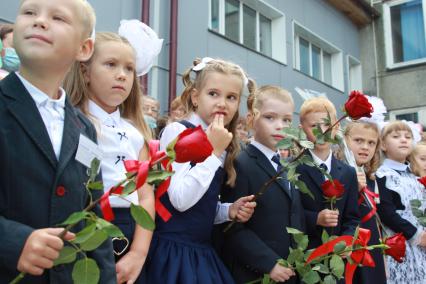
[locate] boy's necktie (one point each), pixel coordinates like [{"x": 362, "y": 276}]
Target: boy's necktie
[{"x": 276, "y": 159}]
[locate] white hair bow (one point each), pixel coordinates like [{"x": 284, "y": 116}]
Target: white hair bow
[
  {"x": 144, "y": 40},
  {"x": 200, "y": 66}
]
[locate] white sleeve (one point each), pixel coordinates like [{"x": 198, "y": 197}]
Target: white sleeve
[
  {"x": 222, "y": 213},
  {"x": 188, "y": 185}
]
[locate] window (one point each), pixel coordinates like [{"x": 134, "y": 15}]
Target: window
[
  {"x": 354, "y": 74},
  {"x": 252, "y": 23},
  {"x": 414, "y": 117},
  {"x": 317, "y": 58},
  {"x": 405, "y": 32}
]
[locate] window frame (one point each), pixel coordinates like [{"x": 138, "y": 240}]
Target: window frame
[
  {"x": 349, "y": 60},
  {"x": 390, "y": 64},
  {"x": 278, "y": 27},
  {"x": 337, "y": 78}
]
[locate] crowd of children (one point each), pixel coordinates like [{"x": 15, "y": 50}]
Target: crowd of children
[{"x": 74, "y": 89}]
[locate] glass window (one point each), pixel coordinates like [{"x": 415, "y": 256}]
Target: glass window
[
  {"x": 215, "y": 15},
  {"x": 327, "y": 67},
  {"x": 414, "y": 117},
  {"x": 304, "y": 55},
  {"x": 249, "y": 27},
  {"x": 265, "y": 35},
  {"x": 232, "y": 17},
  {"x": 408, "y": 32},
  {"x": 316, "y": 62}
]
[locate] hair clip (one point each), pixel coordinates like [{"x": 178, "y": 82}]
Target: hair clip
[{"x": 144, "y": 40}]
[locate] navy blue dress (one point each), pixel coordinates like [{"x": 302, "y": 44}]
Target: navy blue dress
[
  {"x": 376, "y": 275},
  {"x": 181, "y": 250}
]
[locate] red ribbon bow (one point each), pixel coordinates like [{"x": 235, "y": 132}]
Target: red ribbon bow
[
  {"x": 141, "y": 169},
  {"x": 360, "y": 256},
  {"x": 366, "y": 193}
]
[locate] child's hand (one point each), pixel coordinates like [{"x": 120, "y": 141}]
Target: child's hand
[
  {"x": 242, "y": 209},
  {"x": 328, "y": 218},
  {"x": 41, "y": 249},
  {"x": 422, "y": 241},
  {"x": 362, "y": 180},
  {"x": 129, "y": 267},
  {"x": 280, "y": 273},
  {"x": 218, "y": 135}
]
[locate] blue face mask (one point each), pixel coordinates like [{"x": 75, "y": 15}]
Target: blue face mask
[
  {"x": 10, "y": 60},
  {"x": 152, "y": 123}
]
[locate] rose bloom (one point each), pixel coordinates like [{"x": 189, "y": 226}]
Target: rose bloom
[
  {"x": 422, "y": 181},
  {"x": 332, "y": 189},
  {"x": 396, "y": 248},
  {"x": 358, "y": 106},
  {"x": 192, "y": 145}
]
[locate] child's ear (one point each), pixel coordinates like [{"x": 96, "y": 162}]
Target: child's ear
[
  {"x": 194, "y": 97},
  {"x": 250, "y": 119},
  {"x": 86, "y": 50}
]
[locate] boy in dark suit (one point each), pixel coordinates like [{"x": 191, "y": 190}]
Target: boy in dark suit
[
  {"x": 41, "y": 182},
  {"x": 345, "y": 218},
  {"x": 253, "y": 248}
]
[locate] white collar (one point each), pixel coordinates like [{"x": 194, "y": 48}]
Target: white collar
[
  {"x": 39, "y": 96},
  {"x": 102, "y": 115},
  {"x": 319, "y": 161},
  {"x": 196, "y": 120},
  {"x": 395, "y": 165},
  {"x": 265, "y": 150}
]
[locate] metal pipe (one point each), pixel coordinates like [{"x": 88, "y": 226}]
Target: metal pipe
[
  {"x": 145, "y": 19},
  {"x": 173, "y": 50}
]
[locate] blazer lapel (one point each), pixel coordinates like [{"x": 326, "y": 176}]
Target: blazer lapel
[
  {"x": 314, "y": 173},
  {"x": 24, "y": 109},
  {"x": 336, "y": 169},
  {"x": 70, "y": 138},
  {"x": 263, "y": 163}
]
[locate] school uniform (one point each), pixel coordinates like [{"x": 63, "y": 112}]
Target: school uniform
[
  {"x": 181, "y": 250},
  {"x": 377, "y": 274},
  {"x": 41, "y": 181},
  {"x": 119, "y": 140},
  {"x": 253, "y": 248},
  {"x": 347, "y": 204}
]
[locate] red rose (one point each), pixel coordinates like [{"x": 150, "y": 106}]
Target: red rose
[
  {"x": 191, "y": 145},
  {"x": 332, "y": 189},
  {"x": 396, "y": 245},
  {"x": 422, "y": 180},
  {"x": 358, "y": 106}
]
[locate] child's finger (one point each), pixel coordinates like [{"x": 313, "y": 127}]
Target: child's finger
[{"x": 220, "y": 120}]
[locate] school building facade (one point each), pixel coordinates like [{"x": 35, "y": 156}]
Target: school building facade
[{"x": 306, "y": 46}]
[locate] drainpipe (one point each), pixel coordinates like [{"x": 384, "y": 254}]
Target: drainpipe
[
  {"x": 173, "y": 50},
  {"x": 376, "y": 64},
  {"x": 145, "y": 19}
]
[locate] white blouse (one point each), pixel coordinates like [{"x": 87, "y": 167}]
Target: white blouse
[
  {"x": 188, "y": 185},
  {"x": 119, "y": 140}
]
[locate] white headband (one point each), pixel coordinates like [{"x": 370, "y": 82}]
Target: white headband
[{"x": 200, "y": 66}]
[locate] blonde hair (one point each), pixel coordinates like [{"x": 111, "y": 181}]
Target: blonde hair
[
  {"x": 318, "y": 104},
  {"x": 78, "y": 91},
  {"x": 255, "y": 101},
  {"x": 394, "y": 126},
  {"x": 413, "y": 163},
  {"x": 373, "y": 165},
  {"x": 227, "y": 68},
  {"x": 87, "y": 15}
]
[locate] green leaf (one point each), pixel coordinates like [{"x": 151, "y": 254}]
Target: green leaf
[
  {"x": 142, "y": 217},
  {"x": 422, "y": 221},
  {"x": 302, "y": 268},
  {"x": 307, "y": 144},
  {"x": 311, "y": 277},
  {"x": 324, "y": 236},
  {"x": 291, "y": 172},
  {"x": 303, "y": 188},
  {"x": 293, "y": 231},
  {"x": 339, "y": 247},
  {"x": 267, "y": 279},
  {"x": 323, "y": 268},
  {"x": 94, "y": 169},
  {"x": 95, "y": 185},
  {"x": 417, "y": 212},
  {"x": 295, "y": 255},
  {"x": 66, "y": 255},
  {"x": 156, "y": 177},
  {"x": 129, "y": 188},
  {"x": 85, "y": 234},
  {"x": 110, "y": 229},
  {"x": 291, "y": 132},
  {"x": 85, "y": 271},
  {"x": 329, "y": 279},
  {"x": 415, "y": 203},
  {"x": 285, "y": 143},
  {"x": 283, "y": 262},
  {"x": 170, "y": 150},
  {"x": 75, "y": 218},
  {"x": 94, "y": 241},
  {"x": 337, "y": 266}
]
